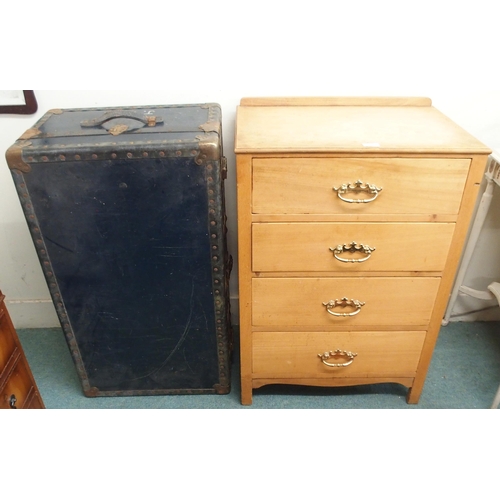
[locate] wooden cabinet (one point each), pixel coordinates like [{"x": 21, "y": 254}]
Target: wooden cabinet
[
  {"x": 17, "y": 385},
  {"x": 352, "y": 214}
]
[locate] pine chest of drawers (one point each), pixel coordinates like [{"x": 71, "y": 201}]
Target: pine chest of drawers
[{"x": 352, "y": 214}]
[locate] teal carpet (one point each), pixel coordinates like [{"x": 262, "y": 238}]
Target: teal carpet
[{"x": 464, "y": 374}]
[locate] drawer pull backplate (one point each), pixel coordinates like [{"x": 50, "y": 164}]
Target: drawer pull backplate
[
  {"x": 344, "y": 302},
  {"x": 333, "y": 354},
  {"x": 352, "y": 247},
  {"x": 358, "y": 187}
]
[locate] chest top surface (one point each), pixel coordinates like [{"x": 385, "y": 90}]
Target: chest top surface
[{"x": 378, "y": 126}]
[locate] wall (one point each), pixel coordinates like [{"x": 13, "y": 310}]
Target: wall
[{"x": 254, "y": 49}]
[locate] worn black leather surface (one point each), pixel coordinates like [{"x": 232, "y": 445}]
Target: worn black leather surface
[{"x": 129, "y": 246}]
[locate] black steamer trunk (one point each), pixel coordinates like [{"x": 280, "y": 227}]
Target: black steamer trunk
[{"x": 126, "y": 210}]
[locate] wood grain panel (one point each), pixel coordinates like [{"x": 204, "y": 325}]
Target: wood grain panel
[
  {"x": 409, "y": 185},
  {"x": 305, "y": 247},
  {"x": 281, "y": 302},
  {"x": 7, "y": 343},
  {"x": 295, "y": 355}
]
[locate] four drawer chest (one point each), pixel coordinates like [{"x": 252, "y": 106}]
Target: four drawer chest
[{"x": 352, "y": 214}]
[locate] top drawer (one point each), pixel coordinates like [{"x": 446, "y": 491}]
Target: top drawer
[{"x": 408, "y": 185}]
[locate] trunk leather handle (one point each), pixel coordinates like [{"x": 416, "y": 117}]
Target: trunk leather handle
[{"x": 149, "y": 120}]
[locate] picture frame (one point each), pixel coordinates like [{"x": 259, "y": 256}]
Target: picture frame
[{"x": 18, "y": 102}]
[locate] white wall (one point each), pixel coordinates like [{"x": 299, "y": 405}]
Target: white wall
[{"x": 252, "y": 48}]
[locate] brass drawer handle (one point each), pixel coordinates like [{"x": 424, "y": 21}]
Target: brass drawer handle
[
  {"x": 358, "y": 187},
  {"x": 332, "y": 354},
  {"x": 344, "y": 302},
  {"x": 352, "y": 247}
]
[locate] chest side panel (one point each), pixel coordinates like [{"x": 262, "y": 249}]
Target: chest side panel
[{"x": 129, "y": 245}]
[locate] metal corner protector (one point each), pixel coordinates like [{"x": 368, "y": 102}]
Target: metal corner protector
[{"x": 14, "y": 157}]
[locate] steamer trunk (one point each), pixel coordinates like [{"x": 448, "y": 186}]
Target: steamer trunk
[{"x": 126, "y": 210}]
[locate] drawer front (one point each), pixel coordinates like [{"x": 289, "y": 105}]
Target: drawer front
[
  {"x": 307, "y": 247},
  {"x": 35, "y": 402},
  {"x": 296, "y": 355},
  {"x": 19, "y": 385},
  {"x": 409, "y": 185},
  {"x": 282, "y": 302}
]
